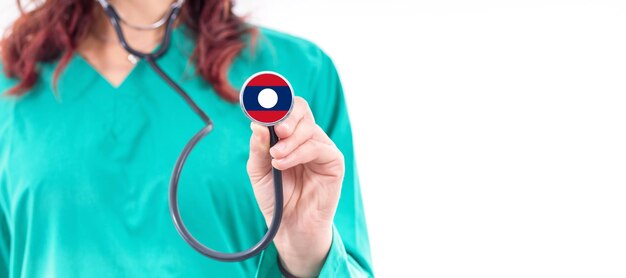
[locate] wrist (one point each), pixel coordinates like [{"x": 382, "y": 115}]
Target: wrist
[{"x": 303, "y": 254}]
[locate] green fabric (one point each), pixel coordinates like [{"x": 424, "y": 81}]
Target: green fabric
[{"x": 84, "y": 172}]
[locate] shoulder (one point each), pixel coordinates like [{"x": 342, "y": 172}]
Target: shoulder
[
  {"x": 5, "y": 82},
  {"x": 279, "y": 51},
  {"x": 301, "y": 61},
  {"x": 308, "y": 68},
  {"x": 285, "y": 44},
  {"x": 6, "y": 102}
]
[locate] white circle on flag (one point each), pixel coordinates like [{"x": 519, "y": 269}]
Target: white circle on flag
[{"x": 268, "y": 98}]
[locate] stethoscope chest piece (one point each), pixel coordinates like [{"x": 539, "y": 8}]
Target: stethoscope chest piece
[{"x": 266, "y": 98}]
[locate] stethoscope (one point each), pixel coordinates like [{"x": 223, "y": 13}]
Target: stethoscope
[{"x": 168, "y": 20}]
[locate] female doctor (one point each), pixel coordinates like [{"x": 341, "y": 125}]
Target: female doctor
[{"x": 89, "y": 135}]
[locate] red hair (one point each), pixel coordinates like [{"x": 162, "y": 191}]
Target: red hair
[{"x": 52, "y": 30}]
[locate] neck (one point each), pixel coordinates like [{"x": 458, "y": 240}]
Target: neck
[
  {"x": 101, "y": 47},
  {"x": 142, "y": 12},
  {"x": 133, "y": 12}
]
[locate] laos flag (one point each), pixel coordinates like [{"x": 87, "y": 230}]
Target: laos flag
[{"x": 267, "y": 98}]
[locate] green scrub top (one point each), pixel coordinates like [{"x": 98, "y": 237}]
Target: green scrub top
[{"x": 84, "y": 172}]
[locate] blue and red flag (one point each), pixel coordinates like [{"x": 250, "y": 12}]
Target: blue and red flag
[{"x": 267, "y": 98}]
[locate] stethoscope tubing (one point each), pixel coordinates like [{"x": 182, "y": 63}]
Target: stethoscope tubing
[{"x": 151, "y": 58}]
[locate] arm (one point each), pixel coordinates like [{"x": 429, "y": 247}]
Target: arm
[
  {"x": 350, "y": 252},
  {"x": 325, "y": 234}
]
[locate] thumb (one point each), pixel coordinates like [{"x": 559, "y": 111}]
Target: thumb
[{"x": 259, "y": 161}]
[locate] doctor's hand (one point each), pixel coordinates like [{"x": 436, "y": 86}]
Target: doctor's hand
[{"x": 313, "y": 170}]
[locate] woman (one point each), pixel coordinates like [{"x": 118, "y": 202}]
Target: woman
[{"x": 89, "y": 135}]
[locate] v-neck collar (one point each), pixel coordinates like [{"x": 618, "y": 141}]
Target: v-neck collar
[
  {"x": 89, "y": 67},
  {"x": 80, "y": 77}
]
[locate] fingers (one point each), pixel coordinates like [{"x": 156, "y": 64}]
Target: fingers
[
  {"x": 311, "y": 151},
  {"x": 299, "y": 112},
  {"x": 301, "y": 141},
  {"x": 302, "y": 132}
]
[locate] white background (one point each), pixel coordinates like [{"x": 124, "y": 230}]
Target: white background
[{"x": 490, "y": 135}]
